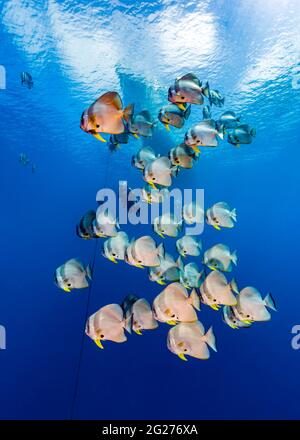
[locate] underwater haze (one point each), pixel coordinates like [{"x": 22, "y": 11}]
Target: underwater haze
[{"x": 75, "y": 51}]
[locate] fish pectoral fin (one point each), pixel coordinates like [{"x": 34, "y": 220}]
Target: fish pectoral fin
[
  {"x": 99, "y": 137},
  {"x": 217, "y": 227},
  {"x": 182, "y": 357},
  {"x": 212, "y": 267},
  {"x": 136, "y": 136},
  {"x": 181, "y": 106},
  {"x": 247, "y": 321},
  {"x": 167, "y": 127},
  {"x": 66, "y": 289},
  {"x": 113, "y": 260},
  {"x": 138, "y": 332},
  {"x": 171, "y": 322},
  {"x": 98, "y": 343}
]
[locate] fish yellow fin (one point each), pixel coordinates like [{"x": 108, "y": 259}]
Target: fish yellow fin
[
  {"x": 214, "y": 307},
  {"x": 99, "y": 137},
  {"x": 136, "y": 136},
  {"x": 212, "y": 268},
  {"x": 167, "y": 127},
  {"x": 217, "y": 227},
  {"x": 139, "y": 266},
  {"x": 171, "y": 322},
  {"x": 152, "y": 185},
  {"x": 196, "y": 149},
  {"x": 161, "y": 282},
  {"x": 113, "y": 260},
  {"x": 181, "y": 106},
  {"x": 138, "y": 332},
  {"x": 182, "y": 357},
  {"x": 98, "y": 343},
  {"x": 66, "y": 289}
]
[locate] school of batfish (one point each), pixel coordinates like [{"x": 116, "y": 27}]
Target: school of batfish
[{"x": 186, "y": 286}]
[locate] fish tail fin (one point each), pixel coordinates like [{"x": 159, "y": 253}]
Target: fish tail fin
[
  {"x": 200, "y": 276},
  {"x": 187, "y": 112},
  {"x": 174, "y": 171},
  {"x": 210, "y": 339},
  {"x": 194, "y": 299},
  {"x": 161, "y": 251},
  {"x": 234, "y": 257},
  {"x": 221, "y": 131},
  {"x": 234, "y": 286},
  {"x": 233, "y": 214},
  {"x": 253, "y": 132},
  {"x": 89, "y": 272},
  {"x": 127, "y": 323},
  {"x": 128, "y": 302},
  {"x": 270, "y": 302},
  {"x": 179, "y": 263},
  {"x": 128, "y": 112}
]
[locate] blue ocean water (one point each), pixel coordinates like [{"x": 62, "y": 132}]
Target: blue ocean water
[{"x": 75, "y": 51}]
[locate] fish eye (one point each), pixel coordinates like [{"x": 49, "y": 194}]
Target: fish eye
[
  {"x": 215, "y": 300},
  {"x": 182, "y": 97},
  {"x": 153, "y": 178},
  {"x": 248, "y": 316},
  {"x": 97, "y": 125},
  {"x": 113, "y": 255},
  {"x": 101, "y": 336},
  {"x": 69, "y": 284},
  {"x": 185, "y": 350},
  {"x": 172, "y": 316},
  {"x": 234, "y": 321},
  {"x": 140, "y": 261}
]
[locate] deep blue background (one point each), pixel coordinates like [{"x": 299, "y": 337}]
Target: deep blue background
[{"x": 75, "y": 51}]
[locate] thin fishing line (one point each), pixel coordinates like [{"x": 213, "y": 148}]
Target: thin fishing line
[
  {"x": 77, "y": 379},
  {"x": 83, "y": 334}
]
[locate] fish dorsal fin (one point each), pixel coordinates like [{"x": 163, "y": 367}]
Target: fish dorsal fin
[
  {"x": 146, "y": 114},
  {"x": 192, "y": 266},
  {"x": 114, "y": 311},
  {"x": 228, "y": 113},
  {"x": 222, "y": 205},
  {"x": 245, "y": 127},
  {"x": 189, "y": 77},
  {"x": 142, "y": 305},
  {"x": 211, "y": 123},
  {"x": 250, "y": 294},
  {"x": 163, "y": 161},
  {"x": 111, "y": 99},
  {"x": 222, "y": 248},
  {"x": 75, "y": 262}
]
